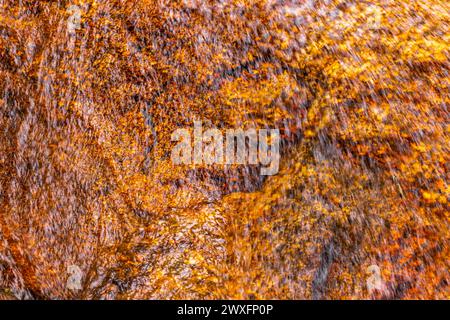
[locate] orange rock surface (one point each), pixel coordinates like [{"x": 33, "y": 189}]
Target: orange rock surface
[{"x": 359, "y": 91}]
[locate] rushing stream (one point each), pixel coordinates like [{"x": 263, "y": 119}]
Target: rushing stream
[{"x": 92, "y": 205}]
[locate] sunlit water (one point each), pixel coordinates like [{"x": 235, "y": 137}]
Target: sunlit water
[{"x": 93, "y": 207}]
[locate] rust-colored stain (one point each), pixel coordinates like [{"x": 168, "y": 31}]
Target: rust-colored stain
[{"x": 91, "y": 91}]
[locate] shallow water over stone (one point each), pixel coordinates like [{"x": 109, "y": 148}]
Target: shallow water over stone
[{"x": 92, "y": 207}]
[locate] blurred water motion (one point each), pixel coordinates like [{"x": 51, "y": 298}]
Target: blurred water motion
[{"x": 92, "y": 90}]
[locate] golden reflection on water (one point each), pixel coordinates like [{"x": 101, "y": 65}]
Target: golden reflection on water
[{"x": 93, "y": 207}]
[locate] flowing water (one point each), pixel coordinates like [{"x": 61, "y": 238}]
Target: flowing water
[{"x": 92, "y": 207}]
